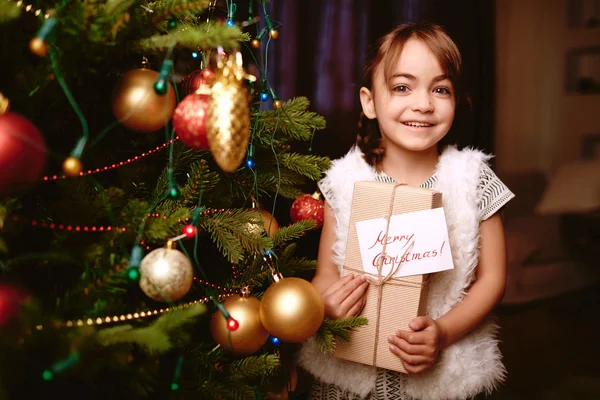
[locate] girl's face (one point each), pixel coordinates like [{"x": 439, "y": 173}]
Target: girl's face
[{"x": 415, "y": 107}]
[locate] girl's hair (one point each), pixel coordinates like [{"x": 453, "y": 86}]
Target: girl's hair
[{"x": 387, "y": 50}]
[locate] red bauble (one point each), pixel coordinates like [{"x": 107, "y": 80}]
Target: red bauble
[
  {"x": 308, "y": 207},
  {"x": 11, "y": 301},
  {"x": 22, "y": 154},
  {"x": 192, "y": 82},
  {"x": 189, "y": 121}
]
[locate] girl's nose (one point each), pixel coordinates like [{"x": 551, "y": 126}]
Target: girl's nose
[{"x": 422, "y": 102}]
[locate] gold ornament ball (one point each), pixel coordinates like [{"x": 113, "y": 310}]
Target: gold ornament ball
[
  {"x": 264, "y": 223},
  {"x": 274, "y": 34},
  {"x": 255, "y": 43},
  {"x": 166, "y": 274},
  {"x": 250, "y": 336},
  {"x": 72, "y": 166},
  {"x": 292, "y": 310},
  {"x": 277, "y": 104},
  {"x": 136, "y": 105},
  {"x": 38, "y": 46}
]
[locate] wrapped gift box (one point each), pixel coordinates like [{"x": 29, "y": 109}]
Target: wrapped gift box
[{"x": 392, "y": 302}]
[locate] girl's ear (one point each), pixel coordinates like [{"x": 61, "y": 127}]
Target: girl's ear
[{"x": 366, "y": 100}]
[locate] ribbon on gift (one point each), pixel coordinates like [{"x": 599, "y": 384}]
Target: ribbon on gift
[{"x": 379, "y": 279}]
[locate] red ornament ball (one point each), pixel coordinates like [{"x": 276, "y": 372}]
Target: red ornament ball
[
  {"x": 22, "y": 154},
  {"x": 192, "y": 82},
  {"x": 189, "y": 121},
  {"x": 308, "y": 207}
]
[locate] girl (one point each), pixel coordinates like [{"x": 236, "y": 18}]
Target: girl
[{"x": 409, "y": 94}]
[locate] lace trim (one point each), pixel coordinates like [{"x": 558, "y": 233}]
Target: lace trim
[
  {"x": 492, "y": 192},
  {"x": 326, "y": 190}
]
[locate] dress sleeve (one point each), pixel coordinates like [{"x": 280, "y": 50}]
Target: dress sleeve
[{"x": 493, "y": 193}]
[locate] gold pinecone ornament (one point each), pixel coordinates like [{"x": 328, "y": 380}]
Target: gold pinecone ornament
[{"x": 228, "y": 122}]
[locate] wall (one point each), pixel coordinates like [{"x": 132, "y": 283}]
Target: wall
[{"x": 538, "y": 124}]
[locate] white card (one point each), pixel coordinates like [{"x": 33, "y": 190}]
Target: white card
[{"x": 417, "y": 240}]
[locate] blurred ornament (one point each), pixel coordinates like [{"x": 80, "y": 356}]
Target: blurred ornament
[
  {"x": 308, "y": 207},
  {"x": 277, "y": 104},
  {"x": 38, "y": 46},
  {"x": 4, "y": 104},
  {"x": 11, "y": 300},
  {"x": 264, "y": 222},
  {"x": 255, "y": 43},
  {"x": 250, "y": 335},
  {"x": 192, "y": 82},
  {"x": 189, "y": 120},
  {"x": 136, "y": 104},
  {"x": 207, "y": 74},
  {"x": 291, "y": 309},
  {"x": 264, "y": 96},
  {"x": 166, "y": 274},
  {"x": 274, "y": 34},
  {"x": 22, "y": 154},
  {"x": 72, "y": 166},
  {"x": 229, "y": 115}
]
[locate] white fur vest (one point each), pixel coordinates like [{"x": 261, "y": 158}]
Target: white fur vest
[{"x": 472, "y": 364}]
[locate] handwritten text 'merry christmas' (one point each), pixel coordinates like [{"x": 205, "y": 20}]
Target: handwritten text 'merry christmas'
[{"x": 417, "y": 240}]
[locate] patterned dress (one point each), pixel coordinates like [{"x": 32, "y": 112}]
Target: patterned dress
[{"x": 494, "y": 195}]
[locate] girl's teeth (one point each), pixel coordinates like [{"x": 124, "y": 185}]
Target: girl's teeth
[{"x": 417, "y": 124}]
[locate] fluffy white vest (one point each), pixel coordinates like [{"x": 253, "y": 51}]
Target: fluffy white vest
[{"x": 472, "y": 364}]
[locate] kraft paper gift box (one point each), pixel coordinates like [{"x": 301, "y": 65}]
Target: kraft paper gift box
[{"x": 392, "y": 302}]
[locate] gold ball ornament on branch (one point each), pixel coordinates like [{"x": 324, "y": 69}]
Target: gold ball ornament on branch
[
  {"x": 166, "y": 274},
  {"x": 136, "y": 104},
  {"x": 264, "y": 222},
  {"x": 250, "y": 334},
  {"x": 228, "y": 122},
  {"x": 291, "y": 309}
]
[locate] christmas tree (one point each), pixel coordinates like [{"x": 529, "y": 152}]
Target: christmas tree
[{"x": 144, "y": 156}]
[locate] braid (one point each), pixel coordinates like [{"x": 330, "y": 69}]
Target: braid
[{"x": 369, "y": 141}]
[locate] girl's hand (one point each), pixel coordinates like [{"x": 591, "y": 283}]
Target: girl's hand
[
  {"x": 345, "y": 297},
  {"x": 418, "y": 350}
]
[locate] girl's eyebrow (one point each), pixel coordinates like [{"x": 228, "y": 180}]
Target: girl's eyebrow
[{"x": 411, "y": 77}]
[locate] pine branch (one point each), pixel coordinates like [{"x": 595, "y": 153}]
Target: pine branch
[
  {"x": 332, "y": 329},
  {"x": 156, "y": 337},
  {"x": 293, "y": 231},
  {"x": 192, "y": 37},
  {"x": 154, "y": 340},
  {"x": 310, "y": 166},
  {"x": 226, "y": 390},
  {"x": 174, "y": 320},
  {"x": 253, "y": 366},
  {"x": 176, "y": 9},
  {"x": 8, "y": 11},
  {"x": 229, "y": 230},
  {"x": 159, "y": 229},
  {"x": 201, "y": 180},
  {"x": 290, "y": 265},
  {"x": 294, "y": 121}
]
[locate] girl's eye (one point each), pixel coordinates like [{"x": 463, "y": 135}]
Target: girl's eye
[
  {"x": 442, "y": 90},
  {"x": 401, "y": 88}
]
